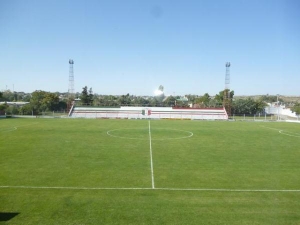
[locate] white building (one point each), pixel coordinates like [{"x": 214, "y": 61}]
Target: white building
[{"x": 276, "y": 109}]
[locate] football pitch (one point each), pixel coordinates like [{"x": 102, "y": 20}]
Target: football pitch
[{"x": 88, "y": 171}]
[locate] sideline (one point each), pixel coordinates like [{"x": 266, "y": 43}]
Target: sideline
[
  {"x": 155, "y": 189},
  {"x": 151, "y": 160}
]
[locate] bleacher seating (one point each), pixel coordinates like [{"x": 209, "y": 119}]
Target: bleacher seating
[{"x": 128, "y": 112}]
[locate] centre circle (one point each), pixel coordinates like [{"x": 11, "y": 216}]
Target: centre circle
[{"x": 145, "y": 134}]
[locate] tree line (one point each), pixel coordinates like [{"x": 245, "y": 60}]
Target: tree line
[{"x": 41, "y": 101}]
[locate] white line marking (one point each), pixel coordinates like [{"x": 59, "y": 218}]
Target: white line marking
[
  {"x": 288, "y": 133},
  {"x": 190, "y": 134},
  {"x": 226, "y": 190},
  {"x": 73, "y": 188},
  {"x": 270, "y": 128},
  {"x": 111, "y": 131},
  {"x": 9, "y": 129},
  {"x": 15, "y": 128},
  {"x": 151, "y": 160},
  {"x": 291, "y": 134},
  {"x": 162, "y": 189}
]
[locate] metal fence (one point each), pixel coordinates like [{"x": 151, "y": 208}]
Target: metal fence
[
  {"x": 263, "y": 117},
  {"x": 45, "y": 114}
]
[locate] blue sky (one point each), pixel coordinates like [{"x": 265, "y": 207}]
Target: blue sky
[{"x": 133, "y": 46}]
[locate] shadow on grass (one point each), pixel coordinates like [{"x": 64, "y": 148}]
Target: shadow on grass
[{"x": 6, "y": 216}]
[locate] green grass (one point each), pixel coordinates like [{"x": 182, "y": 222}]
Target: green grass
[{"x": 236, "y": 157}]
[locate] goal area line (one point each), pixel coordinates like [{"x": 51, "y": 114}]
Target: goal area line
[{"x": 153, "y": 189}]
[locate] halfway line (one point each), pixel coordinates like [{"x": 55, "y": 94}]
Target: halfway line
[{"x": 151, "y": 161}]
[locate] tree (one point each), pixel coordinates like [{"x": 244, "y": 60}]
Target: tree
[
  {"x": 86, "y": 96},
  {"x": 12, "y": 110},
  {"x": 36, "y": 101},
  {"x": 125, "y": 99},
  {"x": 260, "y": 106},
  {"x": 170, "y": 101},
  {"x": 26, "y": 97},
  {"x": 3, "y": 108},
  {"x": 8, "y": 96},
  {"x": 62, "y": 105},
  {"x": 296, "y": 108},
  {"x": 140, "y": 101},
  {"x": 50, "y": 102},
  {"x": 42, "y": 101},
  {"x": 182, "y": 103},
  {"x": 220, "y": 97},
  {"x": 271, "y": 98},
  {"x": 248, "y": 106},
  {"x": 26, "y": 110},
  {"x": 106, "y": 100},
  {"x": 154, "y": 102},
  {"x": 243, "y": 106},
  {"x": 203, "y": 101},
  {"x": 192, "y": 98},
  {"x": 91, "y": 96}
]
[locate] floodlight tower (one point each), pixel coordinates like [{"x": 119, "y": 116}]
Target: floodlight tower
[
  {"x": 227, "y": 77},
  {"x": 71, "y": 81},
  {"x": 226, "y": 96}
]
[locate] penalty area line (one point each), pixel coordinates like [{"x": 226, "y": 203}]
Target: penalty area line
[{"x": 157, "y": 189}]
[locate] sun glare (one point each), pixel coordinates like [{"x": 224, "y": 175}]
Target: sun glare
[{"x": 158, "y": 92}]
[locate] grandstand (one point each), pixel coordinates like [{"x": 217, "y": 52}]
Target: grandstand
[{"x": 130, "y": 112}]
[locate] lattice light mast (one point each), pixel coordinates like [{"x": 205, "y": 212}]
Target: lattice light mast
[
  {"x": 226, "y": 96},
  {"x": 227, "y": 77},
  {"x": 71, "y": 81}
]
